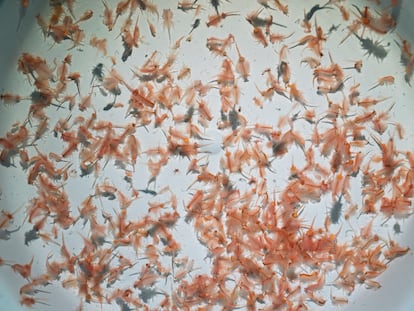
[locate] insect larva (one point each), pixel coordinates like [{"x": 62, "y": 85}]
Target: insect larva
[
  {"x": 372, "y": 47},
  {"x": 397, "y": 228},
  {"x": 234, "y": 119},
  {"x": 97, "y": 72},
  {"x": 215, "y": 4},
  {"x": 31, "y": 235},
  {"x": 6, "y": 234},
  {"x": 336, "y": 211}
]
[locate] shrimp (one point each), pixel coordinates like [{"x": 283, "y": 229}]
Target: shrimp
[
  {"x": 283, "y": 69},
  {"x": 130, "y": 40},
  {"x": 218, "y": 45},
  {"x": 152, "y": 29},
  {"x": 344, "y": 11},
  {"x": 167, "y": 16},
  {"x": 41, "y": 129},
  {"x": 338, "y": 300},
  {"x": 186, "y": 5},
  {"x": 108, "y": 16},
  {"x": 85, "y": 16},
  {"x": 386, "y": 80},
  {"x": 56, "y": 14},
  {"x": 6, "y": 218},
  {"x": 85, "y": 102},
  {"x": 75, "y": 76},
  {"x": 134, "y": 149},
  {"x": 121, "y": 8},
  {"x": 380, "y": 25},
  {"x": 320, "y": 282},
  {"x": 367, "y": 102},
  {"x": 388, "y": 154},
  {"x": 24, "y": 270},
  {"x": 312, "y": 62},
  {"x": 194, "y": 204},
  {"x": 282, "y": 8},
  {"x": 400, "y": 130},
  {"x": 9, "y": 98},
  {"x": 43, "y": 25},
  {"x": 242, "y": 66},
  {"x": 277, "y": 37},
  {"x": 313, "y": 42},
  {"x": 184, "y": 72},
  {"x": 259, "y": 36},
  {"x": 357, "y": 66},
  {"x": 29, "y": 301},
  {"x": 22, "y": 12},
  {"x": 296, "y": 95},
  {"x": 204, "y": 110},
  {"x": 214, "y": 20},
  {"x": 256, "y": 21},
  {"x": 226, "y": 76},
  {"x": 99, "y": 44},
  {"x": 406, "y": 59},
  {"x": 395, "y": 250}
]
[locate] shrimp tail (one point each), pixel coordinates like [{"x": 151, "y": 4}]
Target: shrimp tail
[
  {"x": 358, "y": 9},
  {"x": 356, "y": 35},
  {"x": 280, "y": 25},
  {"x": 22, "y": 14},
  {"x": 374, "y": 87}
]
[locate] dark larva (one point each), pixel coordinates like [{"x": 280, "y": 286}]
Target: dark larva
[
  {"x": 148, "y": 191},
  {"x": 109, "y": 106},
  {"x": 223, "y": 116},
  {"x": 234, "y": 119},
  {"x": 6, "y": 234},
  {"x": 147, "y": 294},
  {"x": 397, "y": 228},
  {"x": 279, "y": 148},
  {"x": 372, "y": 47},
  {"x": 215, "y": 4},
  {"x": 122, "y": 304},
  {"x": 189, "y": 114},
  {"x": 336, "y": 211},
  {"x": 314, "y": 9},
  {"x": 97, "y": 72},
  {"x": 30, "y": 236},
  {"x": 127, "y": 50}
]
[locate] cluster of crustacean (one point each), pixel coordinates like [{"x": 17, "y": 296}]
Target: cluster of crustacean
[{"x": 262, "y": 253}]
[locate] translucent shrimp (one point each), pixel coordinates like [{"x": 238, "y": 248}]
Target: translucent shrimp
[{"x": 167, "y": 16}]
